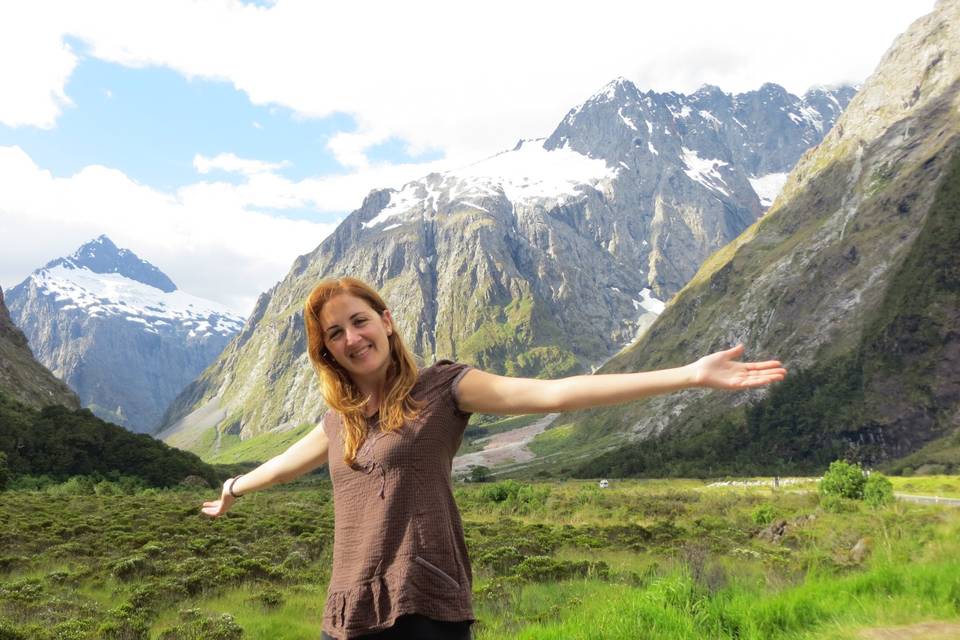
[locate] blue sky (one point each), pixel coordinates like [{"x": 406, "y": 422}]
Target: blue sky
[{"x": 151, "y": 122}]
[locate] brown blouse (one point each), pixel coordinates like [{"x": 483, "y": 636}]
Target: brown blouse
[{"x": 398, "y": 543}]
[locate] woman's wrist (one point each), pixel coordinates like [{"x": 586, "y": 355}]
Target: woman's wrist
[
  {"x": 230, "y": 486},
  {"x": 691, "y": 375}
]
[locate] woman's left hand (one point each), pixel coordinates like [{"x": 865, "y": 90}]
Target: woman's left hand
[{"x": 720, "y": 370}]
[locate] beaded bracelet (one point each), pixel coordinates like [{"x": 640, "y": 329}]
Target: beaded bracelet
[{"x": 233, "y": 481}]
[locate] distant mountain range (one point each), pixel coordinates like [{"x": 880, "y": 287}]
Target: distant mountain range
[
  {"x": 544, "y": 260},
  {"x": 118, "y": 331}
]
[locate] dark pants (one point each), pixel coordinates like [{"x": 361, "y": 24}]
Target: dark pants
[{"x": 417, "y": 627}]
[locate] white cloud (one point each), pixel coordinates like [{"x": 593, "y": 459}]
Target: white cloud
[
  {"x": 231, "y": 163},
  {"x": 215, "y": 239},
  {"x": 35, "y": 64},
  {"x": 212, "y": 245},
  {"x": 349, "y": 148},
  {"x": 468, "y": 80}
]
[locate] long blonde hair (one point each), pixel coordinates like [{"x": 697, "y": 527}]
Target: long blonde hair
[{"x": 339, "y": 391}]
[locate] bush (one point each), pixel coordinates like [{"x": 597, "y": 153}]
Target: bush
[
  {"x": 8, "y": 632},
  {"x": 480, "y": 474},
  {"x": 547, "y": 569},
  {"x": 764, "y": 514},
  {"x": 270, "y": 598},
  {"x": 843, "y": 480},
  {"x": 501, "y": 560},
  {"x": 31, "y": 483},
  {"x": 878, "y": 491},
  {"x": 501, "y": 491},
  {"x": 196, "y": 626},
  {"x": 75, "y": 486}
]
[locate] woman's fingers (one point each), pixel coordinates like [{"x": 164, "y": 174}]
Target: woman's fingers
[
  {"x": 214, "y": 508},
  {"x": 759, "y": 380},
  {"x": 763, "y": 365}
]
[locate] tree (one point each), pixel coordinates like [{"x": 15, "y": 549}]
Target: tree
[
  {"x": 4, "y": 471},
  {"x": 480, "y": 474}
]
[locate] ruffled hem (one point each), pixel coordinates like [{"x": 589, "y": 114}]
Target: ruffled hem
[{"x": 376, "y": 604}]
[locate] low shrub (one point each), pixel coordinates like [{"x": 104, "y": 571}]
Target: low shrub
[
  {"x": 196, "y": 626},
  {"x": 844, "y": 480},
  {"x": 878, "y": 491},
  {"x": 547, "y": 569},
  {"x": 763, "y": 514},
  {"x": 269, "y": 598}
]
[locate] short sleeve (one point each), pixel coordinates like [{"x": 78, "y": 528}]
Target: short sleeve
[
  {"x": 444, "y": 377},
  {"x": 455, "y": 389}
]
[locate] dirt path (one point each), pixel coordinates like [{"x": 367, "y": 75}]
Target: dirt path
[
  {"x": 509, "y": 446},
  {"x": 919, "y": 631}
]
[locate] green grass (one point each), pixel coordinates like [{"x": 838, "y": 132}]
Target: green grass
[
  {"x": 943, "y": 486},
  {"x": 258, "y": 448},
  {"x": 641, "y": 559},
  {"x": 298, "y": 618}
]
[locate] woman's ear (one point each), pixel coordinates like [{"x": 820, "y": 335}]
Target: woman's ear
[{"x": 387, "y": 321}]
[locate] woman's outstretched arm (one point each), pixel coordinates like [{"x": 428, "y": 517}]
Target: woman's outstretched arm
[
  {"x": 303, "y": 456},
  {"x": 483, "y": 392}
]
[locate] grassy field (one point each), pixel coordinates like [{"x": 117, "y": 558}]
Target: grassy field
[
  {"x": 640, "y": 559},
  {"x": 943, "y": 486}
]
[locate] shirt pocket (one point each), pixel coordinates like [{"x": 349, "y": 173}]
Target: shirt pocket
[{"x": 434, "y": 552}]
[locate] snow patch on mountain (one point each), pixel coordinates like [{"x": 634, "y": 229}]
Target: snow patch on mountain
[
  {"x": 704, "y": 170},
  {"x": 648, "y": 303},
  {"x": 768, "y": 187},
  {"x": 523, "y": 175},
  {"x": 111, "y": 294}
]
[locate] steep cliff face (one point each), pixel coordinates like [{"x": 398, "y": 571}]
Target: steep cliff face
[
  {"x": 850, "y": 279},
  {"x": 540, "y": 261},
  {"x": 21, "y": 376},
  {"x": 118, "y": 332}
]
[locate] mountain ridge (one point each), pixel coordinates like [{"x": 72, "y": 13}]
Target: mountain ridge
[{"x": 806, "y": 283}]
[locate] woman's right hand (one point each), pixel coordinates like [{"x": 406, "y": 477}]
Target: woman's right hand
[{"x": 218, "y": 507}]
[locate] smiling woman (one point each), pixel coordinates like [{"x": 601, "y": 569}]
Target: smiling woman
[{"x": 400, "y": 562}]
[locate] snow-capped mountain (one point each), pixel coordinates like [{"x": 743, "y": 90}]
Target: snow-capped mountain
[
  {"x": 118, "y": 331},
  {"x": 682, "y": 174},
  {"x": 543, "y": 260}
]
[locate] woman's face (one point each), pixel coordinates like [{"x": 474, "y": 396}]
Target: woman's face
[{"x": 356, "y": 335}]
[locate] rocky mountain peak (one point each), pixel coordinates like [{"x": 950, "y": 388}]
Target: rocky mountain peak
[{"x": 101, "y": 255}]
